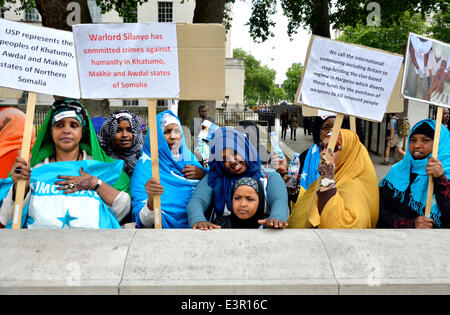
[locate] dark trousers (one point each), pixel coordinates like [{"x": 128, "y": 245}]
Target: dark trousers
[{"x": 283, "y": 132}]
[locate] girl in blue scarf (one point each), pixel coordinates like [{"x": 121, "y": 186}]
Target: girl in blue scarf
[
  {"x": 179, "y": 173},
  {"x": 233, "y": 157},
  {"x": 403, "y": 192}
]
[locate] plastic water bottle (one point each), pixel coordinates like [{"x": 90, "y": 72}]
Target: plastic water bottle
[
  {"x": 275, "y": 142},
  {"x": 294, "y": 168}
]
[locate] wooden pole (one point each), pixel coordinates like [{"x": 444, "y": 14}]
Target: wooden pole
[
  {"x": 437, "y": 136},
  {"x": 24, "y": 154},
  {"x": 353, "y": 123},
  {"x": 335, "y": 133},
  {"x": 153, "y": 130}
]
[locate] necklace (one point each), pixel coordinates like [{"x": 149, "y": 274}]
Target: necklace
[{"x": 78, "y": 157}]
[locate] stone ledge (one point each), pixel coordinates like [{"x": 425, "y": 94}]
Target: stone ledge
[{"x": 255, "y": 262}]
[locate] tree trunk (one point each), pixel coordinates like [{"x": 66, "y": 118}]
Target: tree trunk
[
  {"x": 321, "y": 17},
  {"x": 206, "y": 11},
  {"x": 54, "y": 15}
]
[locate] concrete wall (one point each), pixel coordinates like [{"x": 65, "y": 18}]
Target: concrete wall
[{"x": 225, "y": 262}]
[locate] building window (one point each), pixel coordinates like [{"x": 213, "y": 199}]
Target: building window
[
  {"x": 96, "y": 12},
  {"x": 130, "y": 102},
  {"x": 165, "y": 12},
  {"x": 32, "y": 15},
  {"x": 2, "y": 12},
  {"x": 161, "y": 103}
]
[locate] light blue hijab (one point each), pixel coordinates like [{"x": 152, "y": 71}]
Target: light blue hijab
[
  {"x": 177, "y": 188},
  {"x": 398, "y": 177}
]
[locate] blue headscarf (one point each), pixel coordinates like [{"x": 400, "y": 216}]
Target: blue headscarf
[
  {"x": 177, "y": 188},
  {"x": 220, "y": 179},
  {"x": 97, "y": 122},
  {"x": 310, "y": 172},
  {"x": 398, "y": 177}
]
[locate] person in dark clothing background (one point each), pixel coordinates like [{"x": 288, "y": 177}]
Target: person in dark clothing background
[{"x": 284, "y": 122}]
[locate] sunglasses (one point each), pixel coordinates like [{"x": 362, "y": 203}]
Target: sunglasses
[{"x": 338, "y": 147}]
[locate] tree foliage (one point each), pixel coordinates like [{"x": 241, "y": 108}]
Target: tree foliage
[
  {"x": 317, "y": 15},
  {"x": 393, "y": 38},
  {"x": 259, "y": 86},
  {"x": 440, "y": 26},
  {"x": 293, "y": 78}
]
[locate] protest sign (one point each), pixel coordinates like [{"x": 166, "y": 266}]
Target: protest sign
[
  {"x": 152, "y": 61},
  {"x": 38, "y": 59},
  {"x": 127, "y": 60},
  {"x": 395, "y": 104},
  {"x": 426, "y": 80},
  {"x": 10, "y": 93},
  {"x": 426, "y": 72},
  {"x": 348, "y": 79}
]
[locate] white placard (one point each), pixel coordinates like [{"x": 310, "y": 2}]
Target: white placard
[
  {"x": 349, "y": 79},
  {"x": 127, "y": 60},
  {"x": 324, "y": 114},
  {"x": 38, "y": 59},
  {"x": 426, "y": 71}
]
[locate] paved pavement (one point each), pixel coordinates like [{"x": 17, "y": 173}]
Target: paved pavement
[{"x": 304, "y": 142}]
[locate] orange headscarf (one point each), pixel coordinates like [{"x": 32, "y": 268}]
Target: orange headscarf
[
  {"x": 356, "y": 203},
  {"x": 12, "y": 123}
]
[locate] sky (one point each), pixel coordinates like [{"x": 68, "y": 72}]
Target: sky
[{"x": 278, "y": 52}]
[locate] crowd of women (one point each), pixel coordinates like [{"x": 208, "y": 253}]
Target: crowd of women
[{"x": 97, "y": 173}]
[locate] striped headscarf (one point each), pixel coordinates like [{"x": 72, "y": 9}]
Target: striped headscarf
[{"x": 107, "y": 134}]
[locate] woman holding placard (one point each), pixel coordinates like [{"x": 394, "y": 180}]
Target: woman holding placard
[
  {"x": 348, "y": 194},
  {"x": 121, "y": 138},
  {"x": 403, "y": 192},
  {"x": 233, "y": 157},
  {"x": 69, "y": 185},
  {"x": 179, "y": 173}
]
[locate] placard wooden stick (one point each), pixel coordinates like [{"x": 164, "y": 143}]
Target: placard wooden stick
[
  {"x": 155, "y": 159},
  {"x": 24, "y": 154},
  {"x": 331, "y": 144},
  {"x": 353, "y": 123},
  {"x": 437, "y": 136}
]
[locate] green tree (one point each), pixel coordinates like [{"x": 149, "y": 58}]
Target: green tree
[
  {"x": 277, "y": 95},
  {"x": 393, "y": 38},
  {"x": 318, "y": 15},
  {"x": 293, "y": 78},
  {"x": 440, "y": 26},
  {"x": 259, "y": 83}
]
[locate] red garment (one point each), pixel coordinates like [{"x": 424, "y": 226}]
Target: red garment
[{"x": 12, "y": 123}]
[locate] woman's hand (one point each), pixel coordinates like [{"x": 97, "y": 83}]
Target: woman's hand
[
  {"x": 192, "y": 172},
  {"x": 424, "y": 223},
  {"x": 326, "y": 165},
  {"x": 205, "y": 226},
  {"x": 153, "y": 188},
  {"x": 434, "y": 168},
  {"x": 73, "y": 184},
  {"x": 273, "y": 223},
  {"x": 280, "y": 165},
  {"x": 21, "y": 170}
]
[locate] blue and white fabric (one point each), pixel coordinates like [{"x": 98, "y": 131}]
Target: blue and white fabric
[
  {"x": 50, "y": 208},
  {"x": 177, "y": 188}
]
